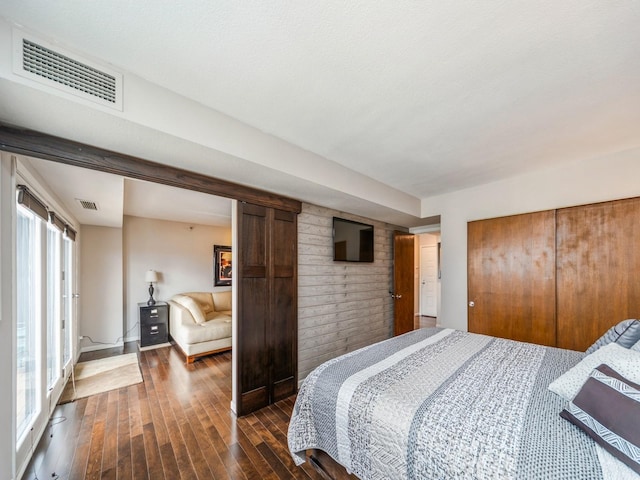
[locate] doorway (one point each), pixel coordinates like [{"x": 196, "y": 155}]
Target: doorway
[
  {"x": 420, "y": 274},
  {"x": 427, "y": 279},
  {"x": 38, "y": 145}
]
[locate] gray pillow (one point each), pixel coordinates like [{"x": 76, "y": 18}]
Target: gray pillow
[
  {"x": 626, "y": 334},
  {"x": 607, "y": 408}
]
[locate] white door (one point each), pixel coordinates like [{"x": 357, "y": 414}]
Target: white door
[{"x": 429, "y": 280}]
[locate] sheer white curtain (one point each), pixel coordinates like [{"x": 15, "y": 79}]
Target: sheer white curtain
[
  {"x": 28, "y": 319},
  {"x": 68, "y": 280},
  {"x": 54, "y": 297}
]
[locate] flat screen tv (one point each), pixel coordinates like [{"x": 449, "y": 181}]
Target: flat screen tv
[{"x": 352, "y": 241}]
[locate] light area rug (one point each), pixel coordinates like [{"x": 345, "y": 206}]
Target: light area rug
[{"x": 98, "y": 376}]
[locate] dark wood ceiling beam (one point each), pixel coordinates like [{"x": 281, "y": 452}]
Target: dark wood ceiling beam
[{"x": 22, "y": 141}]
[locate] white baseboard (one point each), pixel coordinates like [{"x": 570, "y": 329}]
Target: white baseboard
[
  {"x": 151, "y": 347},
  {"x": 101, "y": 346}
]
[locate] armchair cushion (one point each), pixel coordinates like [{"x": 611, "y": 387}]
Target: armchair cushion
[
  {"x": 204, "y": 301},
  {"x": 192, "y": 305},
  {"x": 218, "y": 316},
  {"x": 213, "y": 329},
  {"x": 222, "y": 301}
]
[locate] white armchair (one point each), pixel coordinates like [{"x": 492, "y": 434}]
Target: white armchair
[{"x": 200, "y": 323}]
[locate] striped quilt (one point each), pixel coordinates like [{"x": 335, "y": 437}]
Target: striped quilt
[{"x": 440, "y": 403}]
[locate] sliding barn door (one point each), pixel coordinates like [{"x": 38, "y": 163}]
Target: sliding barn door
[
  {"x": 598, "y": 263},
  {"x": 511, "y": 277},
  {"x": 266, "y": 268}
]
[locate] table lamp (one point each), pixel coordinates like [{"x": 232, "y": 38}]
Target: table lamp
[{"x": 151, "y": 276}]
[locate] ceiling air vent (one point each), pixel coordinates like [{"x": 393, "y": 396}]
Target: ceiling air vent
[
  {"x": 87, "y": 204},
  {"x": 52, "y": 66}
]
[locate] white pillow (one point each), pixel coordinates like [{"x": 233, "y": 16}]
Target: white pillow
[{"x": 623, "y": 360}]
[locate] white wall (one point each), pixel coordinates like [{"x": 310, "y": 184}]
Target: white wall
[
  {"x": 589, "y": 181},
  {"x": 181, "y": 253},
  {"x": 100, "y": 286},
  {"x": 7, "y": 360}
]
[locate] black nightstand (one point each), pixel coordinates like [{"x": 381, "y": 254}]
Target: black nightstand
[{"x": 154, "y": 325}]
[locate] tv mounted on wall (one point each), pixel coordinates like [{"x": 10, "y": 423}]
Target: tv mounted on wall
[{"x": 352, "y": 241}]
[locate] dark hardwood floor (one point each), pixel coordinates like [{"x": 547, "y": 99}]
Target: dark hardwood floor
[
  {"x": 423, "y": 321},
  {"x": 177, "y": 424}
]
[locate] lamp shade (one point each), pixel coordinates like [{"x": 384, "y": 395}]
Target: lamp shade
[{"x": 151, "y": 276}]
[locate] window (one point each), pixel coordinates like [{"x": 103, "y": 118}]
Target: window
[
  {"x": 43, "y": 339},
  {"x": 54, "y": 292},
  {"x": 28, "y": 319}
]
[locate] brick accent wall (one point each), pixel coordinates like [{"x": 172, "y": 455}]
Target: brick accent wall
[{"x": 342, "y": 306}]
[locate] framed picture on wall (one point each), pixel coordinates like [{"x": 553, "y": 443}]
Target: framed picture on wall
[{"x": 222, "y": 266}]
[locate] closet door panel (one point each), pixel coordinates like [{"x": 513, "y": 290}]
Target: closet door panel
[
  {"x": 254, "y": 375},
  {"x": 598, "y": 249},
  {"x": 253, "y": 309},
  {"x": 511, "y": 277},
  {"x": 284, "y": 324}
]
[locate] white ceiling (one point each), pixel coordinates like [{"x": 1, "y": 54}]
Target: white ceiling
[
  {"x": 116, "y": 196},
  {"x": 425, "y": 97},
  {"x": 152, "y": 200}
]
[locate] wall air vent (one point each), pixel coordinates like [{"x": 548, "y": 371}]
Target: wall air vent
[
  {"x": 66, "y": 72},
  {"x": 87, "y": 204}
]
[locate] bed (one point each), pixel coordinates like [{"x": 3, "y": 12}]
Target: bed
[{"x": 440, "y": 403}]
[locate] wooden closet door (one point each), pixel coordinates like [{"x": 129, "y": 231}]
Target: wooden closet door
[
  {"x": 267, "y": 306},
  {"x": 511, "y": 277},
  {"x": 403, "y": 282},
  {"x": 598, "y": 251},
  {"x": 253, "y": 309}
]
